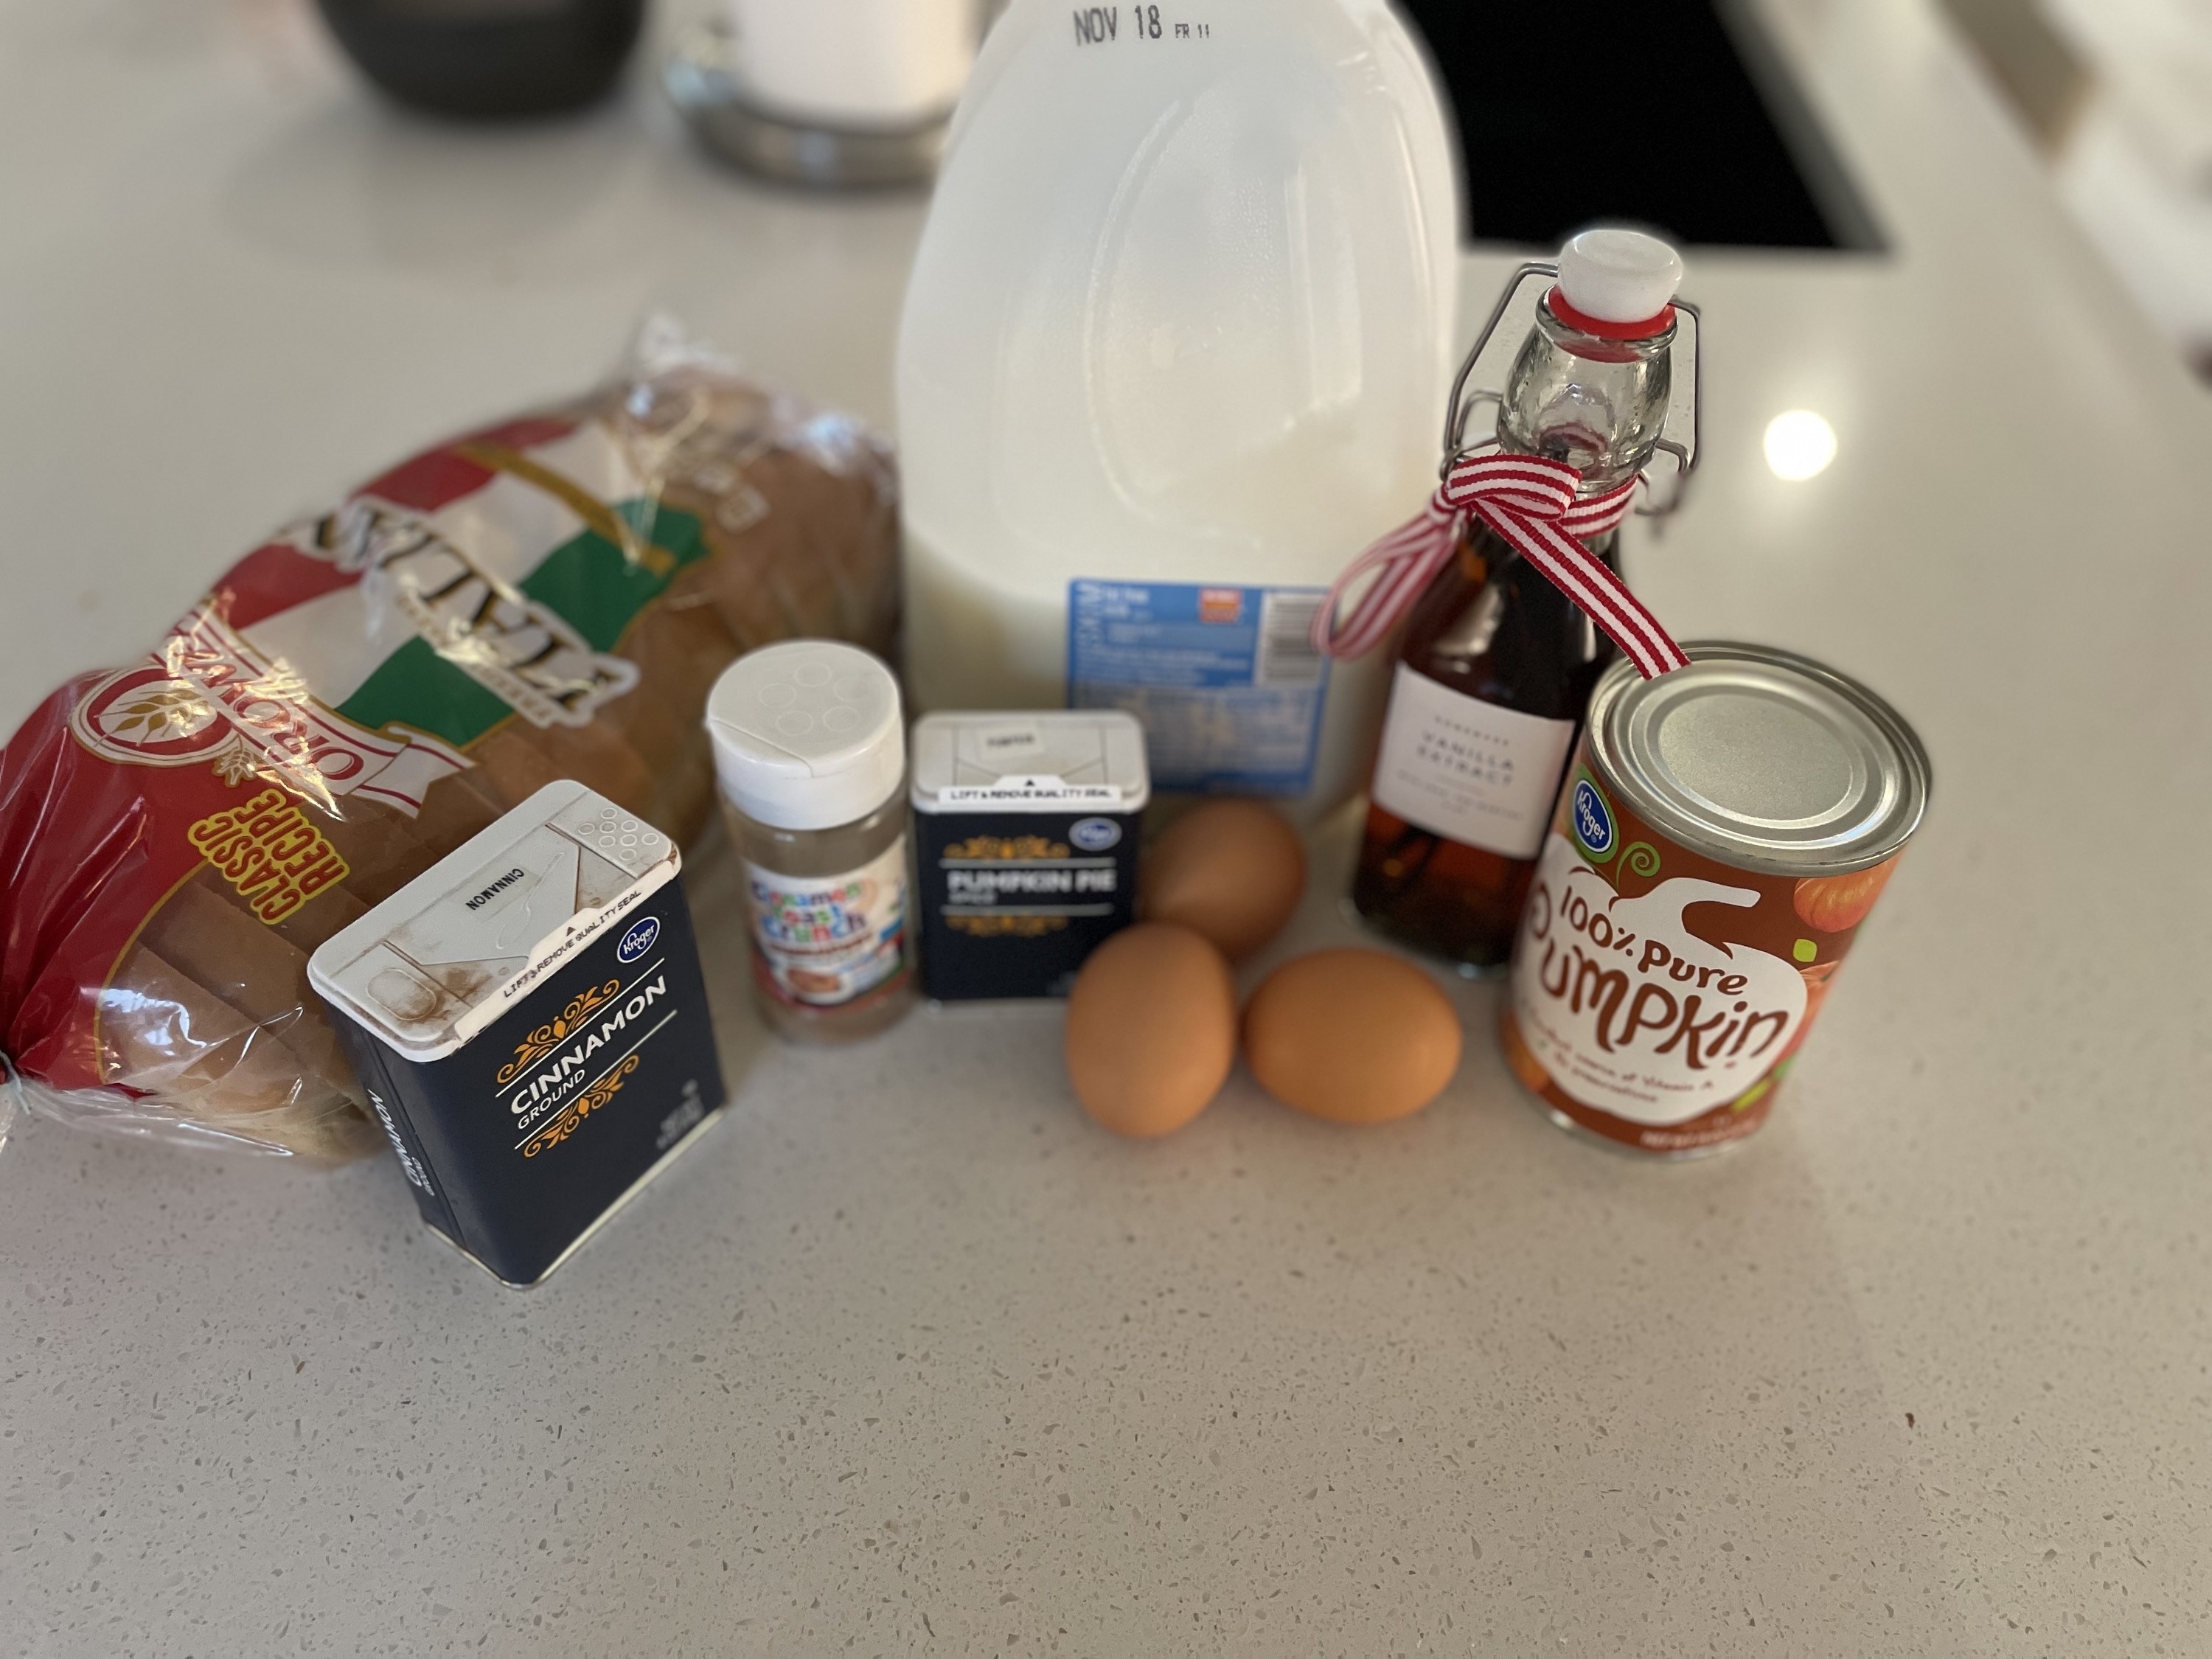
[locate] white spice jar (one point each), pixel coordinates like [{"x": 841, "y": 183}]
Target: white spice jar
[{"x": 809, "y": 754}]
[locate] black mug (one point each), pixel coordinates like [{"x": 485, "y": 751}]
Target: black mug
[{"x": 489, "y": 58}]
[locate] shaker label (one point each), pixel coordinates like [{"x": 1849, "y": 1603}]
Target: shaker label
[
  {"x": 1464, "y": 769},
  {"x": 821, "y": 941}
]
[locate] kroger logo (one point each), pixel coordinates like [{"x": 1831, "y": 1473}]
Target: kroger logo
[
  {"x": 1593, "y": 821},
  {"x": 636, "y": 942},
  {"x": 1095, "y": 835}
]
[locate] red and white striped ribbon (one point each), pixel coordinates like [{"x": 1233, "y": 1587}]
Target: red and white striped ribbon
[{"x": 1531, "y": 503}]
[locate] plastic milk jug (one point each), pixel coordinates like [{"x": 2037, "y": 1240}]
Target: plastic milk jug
[{"x": 1173, "y": 353}]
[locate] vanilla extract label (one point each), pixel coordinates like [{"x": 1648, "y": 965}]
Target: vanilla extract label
[{"x": 1469, "y": 770}]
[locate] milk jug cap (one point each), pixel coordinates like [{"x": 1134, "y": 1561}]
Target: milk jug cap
[
  {"x": 808, "y": 735},
  {"x": 1619, "y": 276}
]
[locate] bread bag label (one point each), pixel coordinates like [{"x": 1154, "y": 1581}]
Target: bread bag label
[
  {"x": 334, "y": 664},
  {"x": 544, "y": 599}
]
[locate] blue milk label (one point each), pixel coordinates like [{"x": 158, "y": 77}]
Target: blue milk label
[{"x": 1225, "y": 680}]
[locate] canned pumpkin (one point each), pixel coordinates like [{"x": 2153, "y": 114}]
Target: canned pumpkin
[{"x": 1724, "y": 832}]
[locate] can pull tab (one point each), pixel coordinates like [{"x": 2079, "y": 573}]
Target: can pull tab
[{"x": 1601, "y": 286}]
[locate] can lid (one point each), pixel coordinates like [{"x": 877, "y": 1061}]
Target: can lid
[
  {"x": 807, "y": 734},
  {"x": 1762, "y": 759},
  {"x": 1051, "y": 761}
]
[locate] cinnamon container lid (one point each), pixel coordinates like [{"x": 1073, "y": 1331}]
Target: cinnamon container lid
[{"x": 459, "y": 945}]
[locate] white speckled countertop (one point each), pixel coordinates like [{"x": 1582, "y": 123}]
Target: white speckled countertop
[{"x": 906, "y": 1356}]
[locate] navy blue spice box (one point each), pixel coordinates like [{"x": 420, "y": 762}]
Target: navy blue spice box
[
  {"x": 529, "y": 1022},
  {"x": 1026, "y": 829}
]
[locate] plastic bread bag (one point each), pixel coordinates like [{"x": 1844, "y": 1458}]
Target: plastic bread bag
[{"x": 551, "y": 597}]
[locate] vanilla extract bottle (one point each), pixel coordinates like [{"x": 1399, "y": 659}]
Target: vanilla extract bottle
[{"x": 1496, "y": 665}]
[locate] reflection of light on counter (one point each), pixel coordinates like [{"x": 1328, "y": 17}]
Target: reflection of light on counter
[{"x": 1799, "y": 444}]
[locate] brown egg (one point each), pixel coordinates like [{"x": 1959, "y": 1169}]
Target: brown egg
[
  {"x": 1355, "y": 1036},
  {"x": 1151, "y": 1030},
  {"x": 1232, "y": 870}
]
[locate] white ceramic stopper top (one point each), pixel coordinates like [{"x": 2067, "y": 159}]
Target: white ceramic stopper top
[
  {"x": 808, "y": 735},
  {"x": 1619, "y": 276}
]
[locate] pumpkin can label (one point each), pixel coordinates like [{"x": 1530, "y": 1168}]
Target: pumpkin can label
[{"x": 1659, "y": 995}]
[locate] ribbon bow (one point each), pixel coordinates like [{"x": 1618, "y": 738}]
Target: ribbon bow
[{"x": 1529, "y": 501}]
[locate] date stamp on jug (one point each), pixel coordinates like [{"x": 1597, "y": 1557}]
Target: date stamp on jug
[{"x": 1101, "y": 26}]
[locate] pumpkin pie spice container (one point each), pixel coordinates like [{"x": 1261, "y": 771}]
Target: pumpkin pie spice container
[
  {"x": 1026, "y": 828},
  {"x": 1722, "y": 834},
  {"x": 529, "y": 1022}
]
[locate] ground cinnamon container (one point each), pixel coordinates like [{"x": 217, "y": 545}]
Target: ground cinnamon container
[
  {"x": 1722, "y": 835},
  {"x": 1026, "y": 827},
  {"x": 528, "y": 1021}
]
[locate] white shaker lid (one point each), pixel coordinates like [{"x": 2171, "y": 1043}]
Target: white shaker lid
[
  {"x": 808, "y": 735},
  {"x": 1619, "y": 276},
  {"x": 455, "y": 948}
]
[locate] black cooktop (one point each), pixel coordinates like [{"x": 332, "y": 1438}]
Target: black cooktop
[{"x": 1673, "y": 114}]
